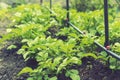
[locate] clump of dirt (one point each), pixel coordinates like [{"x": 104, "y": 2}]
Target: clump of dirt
[
  {"x": 96, "y": 70},
  {"x": 10, "y": 65}
]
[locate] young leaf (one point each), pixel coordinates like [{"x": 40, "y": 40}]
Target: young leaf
[
  {"x": 73, "y": 74},
  {"x": 30, "y": 79},
  {"x": 62, "y": 65},
  {"x": 11, "y": 47},
  {"x": 53, "y": 78},
  {"x": 25, "y": 70}
]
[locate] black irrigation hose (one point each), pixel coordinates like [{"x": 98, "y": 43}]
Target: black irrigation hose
[
  {"x": 75, "y": 28},
  {"x": 108, "y": 51},
  {"x": 99, "y": 45},
  {"x": 106, "y": 31},
  {"x": 51, "y": 11}
]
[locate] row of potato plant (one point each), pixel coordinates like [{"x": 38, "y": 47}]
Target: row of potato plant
[
  {"x": 92, "y": 23},
  {"x": 54, "y": 46}
]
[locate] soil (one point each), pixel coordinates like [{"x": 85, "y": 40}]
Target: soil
[
  {"x": 10, "y": 65},
  {"x": 96, "y": 70}
]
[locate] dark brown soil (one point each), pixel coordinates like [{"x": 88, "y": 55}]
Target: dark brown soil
[
  {"x": 96, "y": 70},
  {"x": 10, "y": 65}
]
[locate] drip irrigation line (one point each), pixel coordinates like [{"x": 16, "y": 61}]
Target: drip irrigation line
[
  {"x": 114, "y": 55},
  {"x": 106, "y": 30},
  {"x": 108, "y": 51},
  {"x": 99, "y": 45},
  {"x": 76, "y": 28},
  {"x": 51, "y": 11}
]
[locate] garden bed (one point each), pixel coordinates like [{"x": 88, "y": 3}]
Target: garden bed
[
  {"x": 52, "y": 51},
  {"x": 11, "y": 64}
]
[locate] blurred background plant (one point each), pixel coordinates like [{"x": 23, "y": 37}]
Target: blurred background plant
[{"x": 80, "y": 5}]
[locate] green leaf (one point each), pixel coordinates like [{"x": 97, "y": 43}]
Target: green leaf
[
  {"x": 42, "y": 56},
  {"x": 9, "y": 30},
  {"x": 11, "y": 47},
  {"x": 70, "y": 72},
  {"x": 89, "y": 55},
  {"x": 75, "y": 60},
  {"x": 75, "y": 77},
  {"x": 25, "y": 55},
  {"x": 21, "y": 51},
  {"x": 73, "y": 74},
  {"x": 67, "y": 61},
  {"x": 74, "y": 71},
  {"x": 57, "y": 60},
  {"x": 73, "y": 35},
  {"x": 62, "y": 65},
  {"x": 25, "y": 70},
  {"x": 24, "y": 40},
  {"x": 30, "y": 79},
  {"x": 53, "y": 78},
  {"x": 112, "y": 67}
]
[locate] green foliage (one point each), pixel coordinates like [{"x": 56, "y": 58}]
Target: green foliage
[
  {"x": 116, "y": 47},
  {"x": 41, "y": 39},
  {"x": 114, "y": 64},
  {"x": 11, "y": 47},
  {"x": 85, "y": 5},
  {"x": 25, "y": 70},
  {"x": 73, "y": 74}
]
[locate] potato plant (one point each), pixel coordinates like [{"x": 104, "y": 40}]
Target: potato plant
[{"x": 54, "y": 46}]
